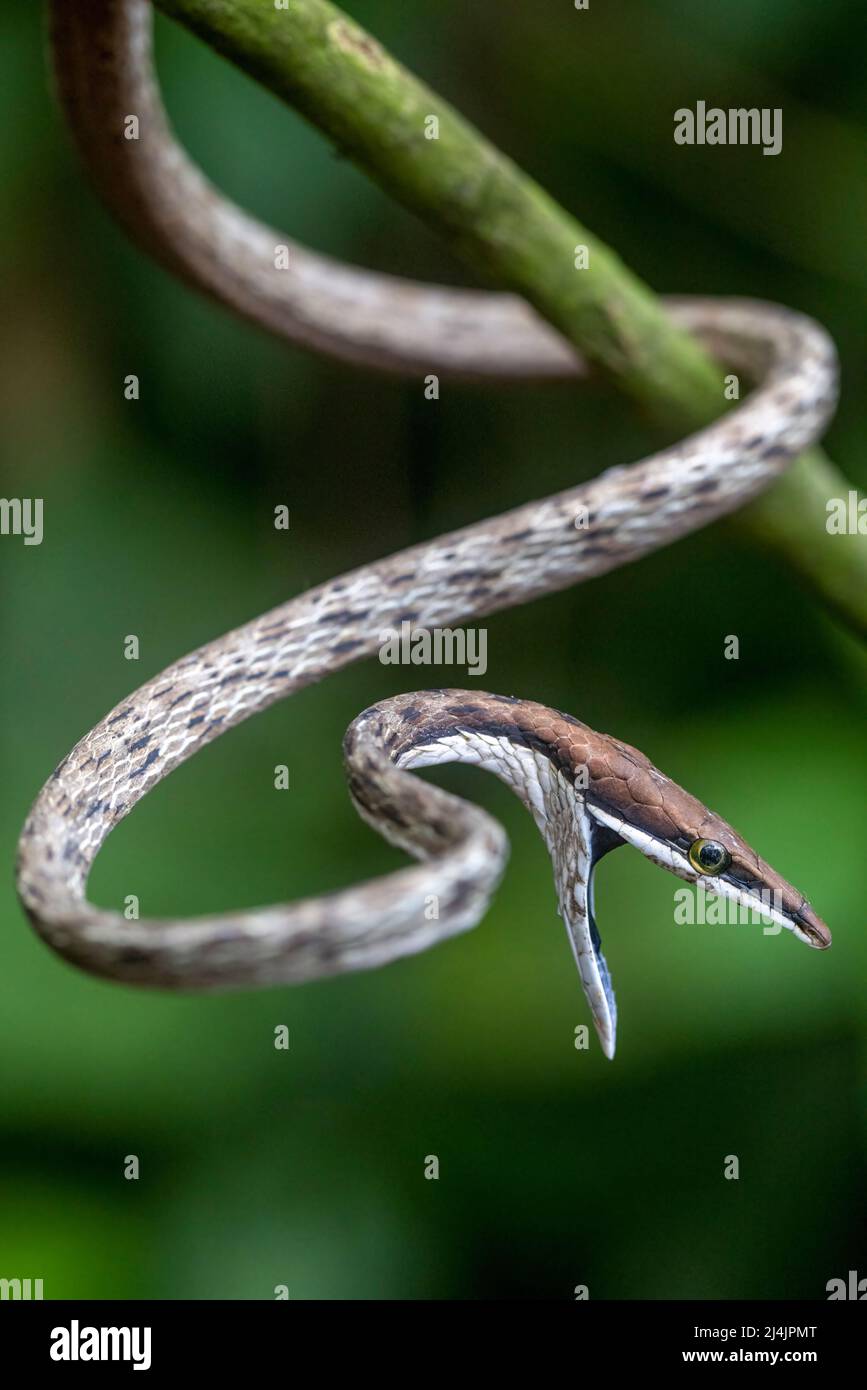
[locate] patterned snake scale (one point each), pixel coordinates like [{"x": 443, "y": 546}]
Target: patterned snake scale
[{"x": 587, "y": 792}]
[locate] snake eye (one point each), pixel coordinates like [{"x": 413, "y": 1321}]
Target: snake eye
[{"x": 709, "y": 856}]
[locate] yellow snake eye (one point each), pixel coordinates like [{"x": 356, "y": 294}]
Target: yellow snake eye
[{"x": 709, "y": 856}]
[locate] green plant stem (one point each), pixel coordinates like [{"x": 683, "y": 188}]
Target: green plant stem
[{"x": 505, "y": 226}]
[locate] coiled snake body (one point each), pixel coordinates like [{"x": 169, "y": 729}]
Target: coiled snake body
[{"x": 588, "y": 792}]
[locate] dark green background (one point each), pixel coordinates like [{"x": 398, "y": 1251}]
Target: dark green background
[{"x": 305, "y": 1167}]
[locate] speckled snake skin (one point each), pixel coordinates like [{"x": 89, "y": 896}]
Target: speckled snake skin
[{"x": 588, "y": 792}]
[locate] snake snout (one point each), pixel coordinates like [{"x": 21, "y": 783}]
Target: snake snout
[{"x": 811, "y": 928}]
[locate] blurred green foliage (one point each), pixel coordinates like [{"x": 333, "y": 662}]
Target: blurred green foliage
[{"x": 261, "y": 1167}]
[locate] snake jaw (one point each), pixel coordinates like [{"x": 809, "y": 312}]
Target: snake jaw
[
  {"x": 802, "y": 921},
  {"x": 594, "y": 975},
  {"x": 578, "y": 916}
]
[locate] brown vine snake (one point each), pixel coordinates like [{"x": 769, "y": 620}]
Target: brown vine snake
[{"x": 588, "y": 793}]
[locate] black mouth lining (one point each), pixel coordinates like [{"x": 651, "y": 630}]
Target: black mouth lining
[
  {"x": 756, "y": 886},
  {"x": 681, "y": 842},
  {"x": 749, "y": 885}
]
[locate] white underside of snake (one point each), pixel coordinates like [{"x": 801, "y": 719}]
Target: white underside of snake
[{"x": 587, "y": 792}]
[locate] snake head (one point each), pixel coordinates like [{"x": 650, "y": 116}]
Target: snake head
[
  {"x": 629, "y": 801},
  {"x": 634, "y": 800}
]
